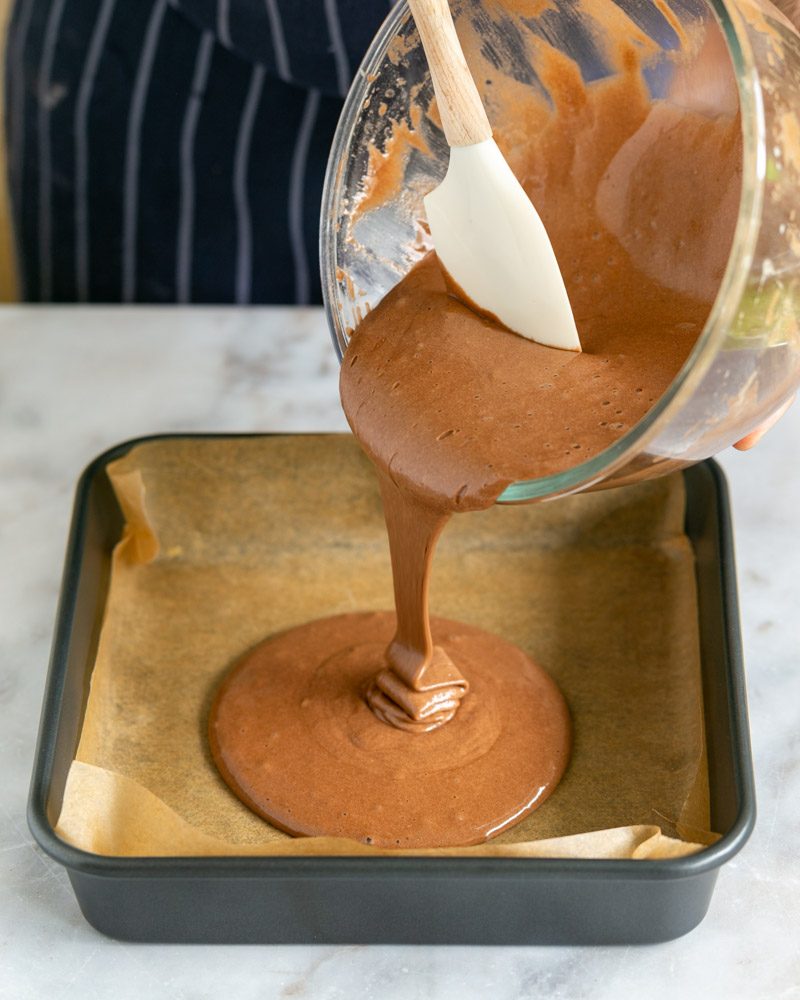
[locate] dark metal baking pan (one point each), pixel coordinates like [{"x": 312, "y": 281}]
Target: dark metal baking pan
[{"x": 413, "y": 900}]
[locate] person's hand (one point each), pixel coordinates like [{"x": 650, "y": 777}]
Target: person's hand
[{"x": 755, "y": 436}]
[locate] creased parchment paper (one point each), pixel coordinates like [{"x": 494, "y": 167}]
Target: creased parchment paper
[{"x": 228, "y": 540}]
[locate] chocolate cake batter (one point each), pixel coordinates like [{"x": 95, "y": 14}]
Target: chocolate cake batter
[
  {"x": 447, "y": 738},
  {"x": 294, "y": 737}
]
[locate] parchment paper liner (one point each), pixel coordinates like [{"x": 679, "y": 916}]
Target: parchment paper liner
[{"x": 230, "y": 540}]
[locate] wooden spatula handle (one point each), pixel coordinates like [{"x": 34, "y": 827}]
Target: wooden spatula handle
[{"x": 460, "y": 107}]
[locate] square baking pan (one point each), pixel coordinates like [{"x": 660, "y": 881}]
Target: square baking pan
[{"x": 467, "y": 900}]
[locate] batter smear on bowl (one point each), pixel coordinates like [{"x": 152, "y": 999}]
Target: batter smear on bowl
[{"x": 405, "y": 732}]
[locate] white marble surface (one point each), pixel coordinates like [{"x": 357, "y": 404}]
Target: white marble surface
[{"x": 74, "y": 381}]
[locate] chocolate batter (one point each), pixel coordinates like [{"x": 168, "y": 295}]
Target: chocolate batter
[
  {"x": 448, "y": 742},
  {"x": 294, "y": 737}
]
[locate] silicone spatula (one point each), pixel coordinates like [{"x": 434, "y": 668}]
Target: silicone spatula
[{"x": 487, "y": 234}]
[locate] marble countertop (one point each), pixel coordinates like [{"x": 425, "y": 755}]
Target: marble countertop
[{"x": 74, "y": 381}]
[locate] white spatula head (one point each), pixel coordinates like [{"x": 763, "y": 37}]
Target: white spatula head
[{"x": 493, "y": 245}]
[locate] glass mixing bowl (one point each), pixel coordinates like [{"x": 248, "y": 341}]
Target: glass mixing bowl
[{"x": 746, "y": 361}]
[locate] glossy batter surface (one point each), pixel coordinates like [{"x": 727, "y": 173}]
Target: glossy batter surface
[{"x": 292, "y": 731}]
